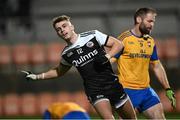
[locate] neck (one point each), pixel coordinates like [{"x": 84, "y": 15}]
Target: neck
[
  {"x": 73, "y": 39},
  {"x": 136, "y": 31}
]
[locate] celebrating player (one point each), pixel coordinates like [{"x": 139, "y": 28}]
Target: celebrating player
[
  {"x": 86, "y": 52},
  {"x": 133, "y": 65}
]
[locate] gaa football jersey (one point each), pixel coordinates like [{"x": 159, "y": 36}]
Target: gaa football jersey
[
  {"x": 82, "y": 54},
  {"x": 133, "y": 62},
  {"x": 59, "y": 110}
]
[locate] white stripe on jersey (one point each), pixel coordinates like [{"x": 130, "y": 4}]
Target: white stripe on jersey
[{"x": 83, "y": 38}]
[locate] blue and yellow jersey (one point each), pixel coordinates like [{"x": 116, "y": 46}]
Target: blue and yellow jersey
[
  {"x": 65, "y": 110},
  {"x": 133, "y": 61}
]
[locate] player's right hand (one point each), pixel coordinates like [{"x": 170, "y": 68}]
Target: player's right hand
[
  {"x": 171, "y": 96},
  {"x": 30, "y": 75}
]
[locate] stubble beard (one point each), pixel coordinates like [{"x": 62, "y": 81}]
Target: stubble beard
[{"x": 144, "y": 30}]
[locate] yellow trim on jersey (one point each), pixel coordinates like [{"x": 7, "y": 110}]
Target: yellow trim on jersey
[
  {"x": 58, "y": 110},
  {"x": 124, "y": 35},
  {"x": 155, "y": 61}
]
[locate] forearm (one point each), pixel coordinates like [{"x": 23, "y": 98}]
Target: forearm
[
  {"x": 116, "y": 47},
  {"x": 47, "y": 75},
  {"x": 58, "y": 71},
  {"x": 161, "y": 75}
]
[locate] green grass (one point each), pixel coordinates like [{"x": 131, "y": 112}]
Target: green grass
[{"x": 169, "y": 116}]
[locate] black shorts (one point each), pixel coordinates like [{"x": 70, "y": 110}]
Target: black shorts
[{"x": 116, "y": 96}]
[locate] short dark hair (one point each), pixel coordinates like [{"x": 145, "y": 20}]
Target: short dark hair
[
  {"x": 141, "y": 12},
  {"x": 60, "y": 18}
]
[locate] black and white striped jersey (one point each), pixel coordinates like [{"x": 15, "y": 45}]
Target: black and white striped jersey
[{"x": 82, "y": 54}]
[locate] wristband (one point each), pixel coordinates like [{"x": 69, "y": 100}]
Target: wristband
[
  {"x": 168, "y": 89},
  {"x": 40, "y": 76},
  {"x": 108, "y": 56}
]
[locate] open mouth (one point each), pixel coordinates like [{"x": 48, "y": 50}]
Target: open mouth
[
  {"x": 65, "y": 34},
  {"x": 149, "y": 28}
]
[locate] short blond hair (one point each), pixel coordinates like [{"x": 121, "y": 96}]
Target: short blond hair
[{"x": 59, "y": 19}]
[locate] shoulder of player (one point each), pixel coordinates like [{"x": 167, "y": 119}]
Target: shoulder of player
[
  {"x": 91, "y": 32},
  {"x": 66, "y": 48},
  {"x": 124, "y": 35},
  {"x": 150, "y": 38}
]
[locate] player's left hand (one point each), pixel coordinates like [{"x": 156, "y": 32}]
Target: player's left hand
[{"x": 171, "y": 96}]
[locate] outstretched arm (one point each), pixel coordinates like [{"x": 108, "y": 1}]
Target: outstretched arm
[
  {"x": 55, "y": 72},
  {"x": 52, "y": 73}
]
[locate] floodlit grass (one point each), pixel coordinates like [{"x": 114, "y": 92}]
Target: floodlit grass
[{"x": 169, "y": 116}]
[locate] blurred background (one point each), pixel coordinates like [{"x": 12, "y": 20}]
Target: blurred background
[{"x": 29, "y": 42}]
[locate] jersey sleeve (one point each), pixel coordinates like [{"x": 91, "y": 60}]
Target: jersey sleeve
[
  {"x": 64, "y": 62},
  {"x": 154, "y": 55},
  {"x": 46, "y": 115},
  {"x": 118, "y": 54},
  {"x": 101, "y": 37}
]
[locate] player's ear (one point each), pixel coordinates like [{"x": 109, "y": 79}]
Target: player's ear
[{"x": 139, "y": 19}]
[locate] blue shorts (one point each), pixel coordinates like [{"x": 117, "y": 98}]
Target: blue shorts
[{"x": 143, "y": 99}]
